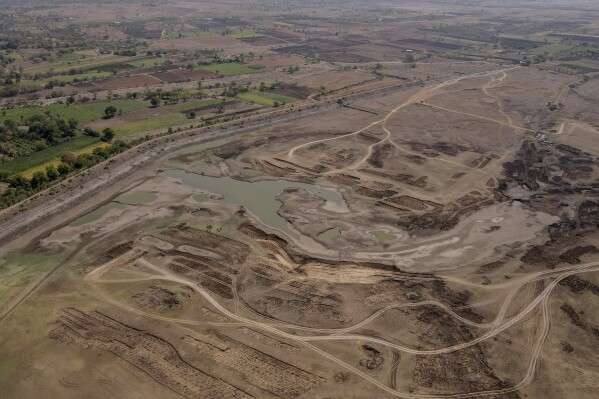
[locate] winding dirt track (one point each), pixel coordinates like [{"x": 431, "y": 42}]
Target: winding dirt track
[
  {"x": 499, "y": 325},
  {"x": 419, "y": 97}
]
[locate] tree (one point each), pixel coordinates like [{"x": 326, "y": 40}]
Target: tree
[
  {"x": 51, "y": 172},
  {"x": 64, "y": 168},
  {"x": 10, "y": 124},
  {"x": 82, "y": 161},
  {"x": 155, "y": 101},
  {"x": 109, "y": 112},
  {"x": 88, "y": 131},
  {"x": 19, "y": 181},
  {"x": 107, "y": 135},
  {"x": 101, "y": 152},
  {"x": 70, "y": 100},
  {"x": 69, "y": 158},
  {"x": 191, "y": 115},
  {"x": 38, "y": 179}
]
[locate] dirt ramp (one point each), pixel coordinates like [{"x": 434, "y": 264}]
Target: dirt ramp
[{"x": 157, "y": 298}]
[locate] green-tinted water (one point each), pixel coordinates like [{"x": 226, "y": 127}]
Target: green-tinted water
[
  {"x": 201, "y": 197},
  {"x": 382, "y": 235},
  {"x": 136, "y": 197},
  {"x": 329, "y": 234},
  {"x": 259, "y": 198},
  {"x": 97, "y": 214},
  {"x": 202, "y": 213},
  {"x": 249, "y": 172}
]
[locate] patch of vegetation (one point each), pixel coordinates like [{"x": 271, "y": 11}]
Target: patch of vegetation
[
  {"x": 266, "y": 99},
  {"x": 147, "y": 62},
  {"x": 56, "y": 161},
  {"x": 329, "y": 234},
  {"x": 87, "y": 64},
  {"x": 382, "y": 235},
  {"x": 125, "y": 106},
  {"x": 183, "y": 107},
  {"x": 551, "y": 49},
  {"x": 583, "y": 64},
  {"x": 80, "y": 113},
  {"x": 250, "y": 172},
  {"x": 186, "y": 33},
  {"x": 172, "y": 119},
  {"x": 243, "y": 34},
  {"x": 231, "y": 68},
  {"x": 21, "y": 187},
  {"x": 46, "y": 155}
]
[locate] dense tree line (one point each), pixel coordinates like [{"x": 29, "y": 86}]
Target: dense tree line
[
  {"x": 35, "y": 133},
  {"x": 21, "y": 187}
]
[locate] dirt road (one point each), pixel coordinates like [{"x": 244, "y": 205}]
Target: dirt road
[{"x": 498, "y": 325}]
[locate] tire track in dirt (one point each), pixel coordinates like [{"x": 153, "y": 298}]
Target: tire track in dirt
[{"x": 540, "y": 301}]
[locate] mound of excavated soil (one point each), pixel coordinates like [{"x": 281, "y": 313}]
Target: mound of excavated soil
[{"x": 157, "y": 298}]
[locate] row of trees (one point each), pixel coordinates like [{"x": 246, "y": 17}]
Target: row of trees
[
  {"x": 106, "y": 135},
  {"x": 42, "y": 131},
  {"x": 21, "y": 187}
]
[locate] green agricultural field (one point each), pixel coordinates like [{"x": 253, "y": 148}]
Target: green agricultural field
[
  {"x": 186, "y": 33},
  {"x": 183, "y": 107},
  {"x": 17, "y": 113},
  {"x": 266, "y": 99},
  {"x": 147, "y": 62},
  {"x": 148, "y": 125},
  {"x": 231, "y": 68},
  {"x": 88, "y": 63},
  {"x": 551, "y": 49},
  {"x": 537, "y": 38},
  {"x": 56, "y": 161},
  {"x": 65, "y": 66},
  {"x": 71, "y": 57},
  {"x": 30, "y": 84},
  {"x": 71, "y": 78},
  {"x": 15, "y": 57},
  {"x": 81, "y": 112},
  {"x": 124, "y": 105},
  {"x": 22, "y": 164},
  {"x": 583, "y": 64},
  {"x": 244, "y": 34},
  {"x": 66, "y": 111}
]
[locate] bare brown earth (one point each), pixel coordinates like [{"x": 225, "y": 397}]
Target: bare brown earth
[
  {"x": 151, "y": 354},
  {"x": 461, "y": 279},
  {"x": 459, "y": 258}
]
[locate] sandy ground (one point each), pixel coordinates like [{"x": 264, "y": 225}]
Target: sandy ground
[{"x": 202, "y": 299}]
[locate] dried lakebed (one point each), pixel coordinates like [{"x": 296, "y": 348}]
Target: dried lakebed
[
  {"x": 258, "y": 198},
  {"x": 470, "y": 240}
]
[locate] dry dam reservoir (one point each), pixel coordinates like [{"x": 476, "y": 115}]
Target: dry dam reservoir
[{"x": 299, "y": 200}]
